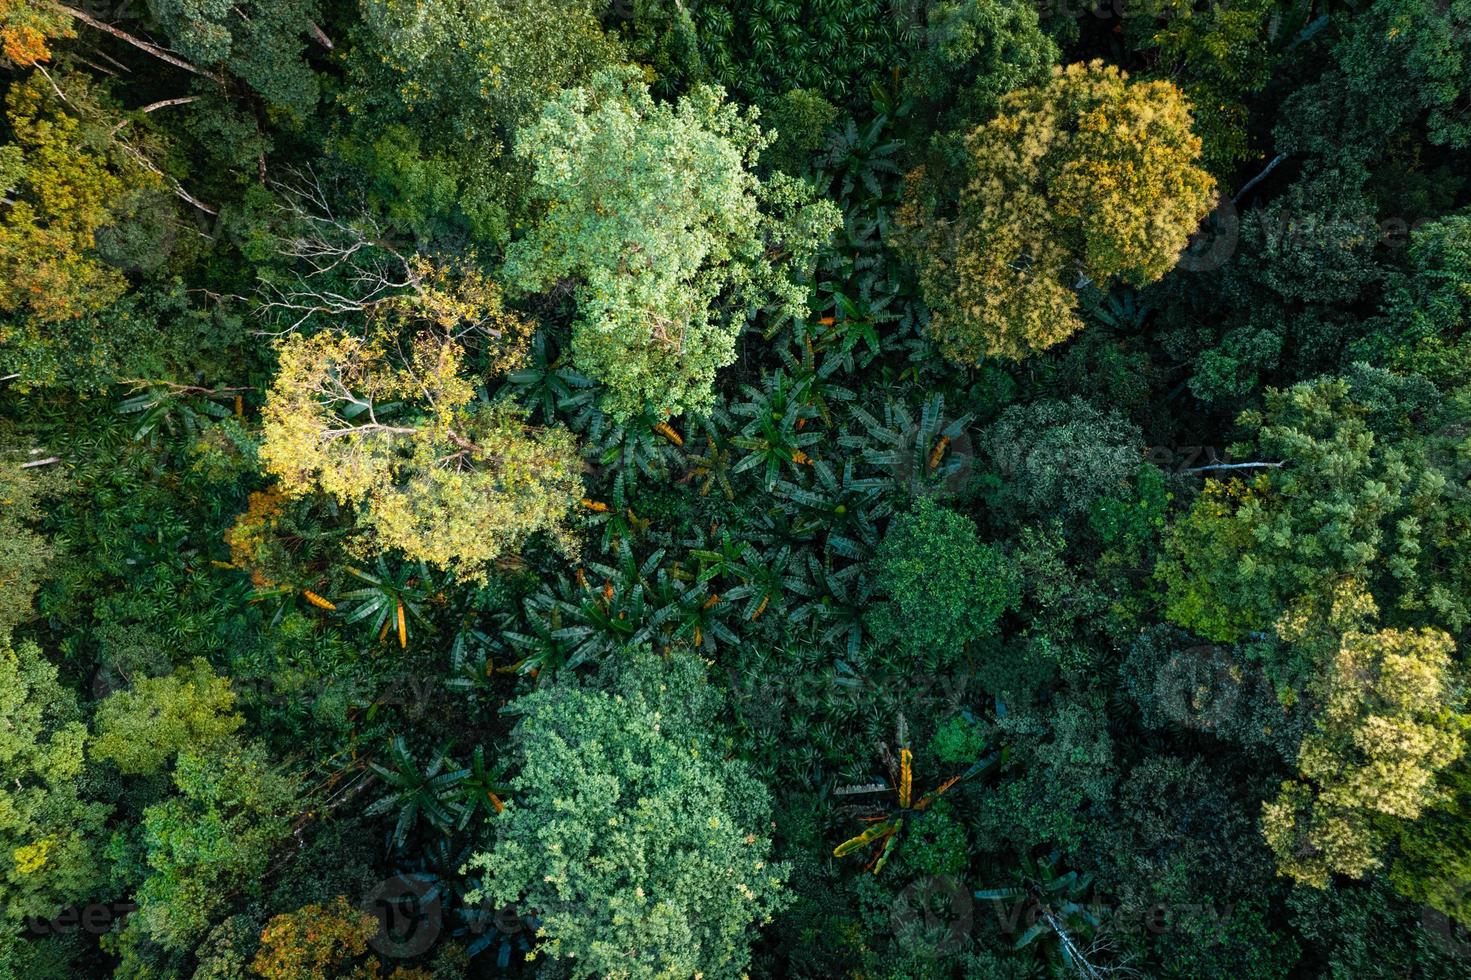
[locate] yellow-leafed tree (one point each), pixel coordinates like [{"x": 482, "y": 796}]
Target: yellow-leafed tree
[
  {"x": 1389, "y": 724},
  {"x": 1087, "y": 178},
  {"x": 436, "y": 474}
]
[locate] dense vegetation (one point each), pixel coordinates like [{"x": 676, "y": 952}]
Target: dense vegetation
[{"x": 779, "y": 488}]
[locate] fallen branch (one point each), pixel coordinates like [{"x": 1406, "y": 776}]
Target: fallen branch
[
  {"x": 1258, "y": 178},
  {"x": 140, "y": 44},
  {"x": 1236, "y": 466}
]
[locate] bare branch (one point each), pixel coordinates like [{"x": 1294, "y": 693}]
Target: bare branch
[
  {"x": 1236, "y": 466},
  {"x": 140, "y": 44}
]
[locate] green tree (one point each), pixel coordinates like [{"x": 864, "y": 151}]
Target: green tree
[
  {"x": 640, "y": 846},
  {"x": 1390, "y": 722},
  {"x": 947, "y": 588},
  {"x": 972, "y": 52},
  {"x": 262, "y": 42},
  {"x": 1087, "y": 178},
  {"x": 1406, "y": 58},
  {"x": 25, "y": 555},
  {"x": 439, "y": 92},
  {"x": 206, "y": 844},
  {"x": 1427, "y": 310},
  {"x": 47, "y": 830},
  {"x": 1056, "y": 458},
  {"x": 1358, "y": 500},
  {"x": 141, "y": 729},
  {"x": 1312, "y": 518},
  {"x": 481, "y": 69},
  {"x": 653, "y": 211},
  {"x": 1220, "y": 55},
  {"x": 1433, "y": 854}
]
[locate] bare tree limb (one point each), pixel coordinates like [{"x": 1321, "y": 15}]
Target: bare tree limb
[
  {"x": 165, "y": 103},
  {"x": 1258, "y": 178},
  {"x": 1236, "y": 466},
  {"x": 140, "y": 44}
]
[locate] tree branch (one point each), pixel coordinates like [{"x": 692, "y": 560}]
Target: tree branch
[
  {"x": 140, "y": 44},
  {"x": 1236, "y": 466},
  {"x": 1258, "y": 178}
]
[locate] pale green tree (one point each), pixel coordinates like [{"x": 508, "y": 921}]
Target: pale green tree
[
  {"x": 654, "y": 213},
  {"x": 447, "y": 479},
  {"x": 638, "y": 843},
  {"x": 48, "y": 832}
]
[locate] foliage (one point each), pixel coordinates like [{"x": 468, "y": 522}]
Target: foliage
[
  {"x": 207, "y": 842},
  {"x": 974, "y": 52},
  {"x": 48, "y": 829},
  {"x": 260, "y": 42},
  {"x": 24, "y": 555},
  {"x": 948, "y": 589},
  {"x": 484, "y": 483},
  {"x": 475, "y": 68},
  {"x": 1086, "y": 178},
  {"x": 143, "y": 728},
  {"x": 27, "y": 28},
  {"x": 1389, "y": 723},
  {"x": 1058, "y": 458},
  {"x": 1327, "y": 514},
  {"x": 653, "y": 210},
  {"x": 1220, "y": 56},
  {"x": 445, "y": 479},
  {"x": 316, "y": 943},
  {"x": 69, "y": 184},
  {"x": 661, "y": 866}
]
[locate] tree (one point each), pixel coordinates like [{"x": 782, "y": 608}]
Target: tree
[
  {"x": 1084, "y": 179},
  {"x": 653, "y": 211},
  {"x": 27, "y": 28},
  {"x": 1355, "y": 493},
  {"x": 1407, "y": 58},
  {"x": 1294, "y": 530},
  {"x": 67, "y": 186},
  {"x": 1058, "y": 458},
  {"x": 47, "y": 829},
  {"x": 1433, "y": 854},
  {"x": 638, "y": 844},
  {"x": 259, "y": 41},
  {"x": 1390, "y": 722},
  {"x": 319, "y": 942},
  {"x": 25, "y": 555},
  {"x": 482, "y": 70},
  {"x": 209, "y": 842},
  {"x": 210, "y": 839},
  {"x": 1219, "y": 56},
  {"x": 445, "y": 479},
  {"x": 972, "y": 52},
  {"x": 947, "y": 587},
  {"x": 1427, "y": 310},
  {"x": 141, "y": 729}
]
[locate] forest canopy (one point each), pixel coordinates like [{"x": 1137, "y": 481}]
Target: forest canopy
[{"x": 694, "y": 488}]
